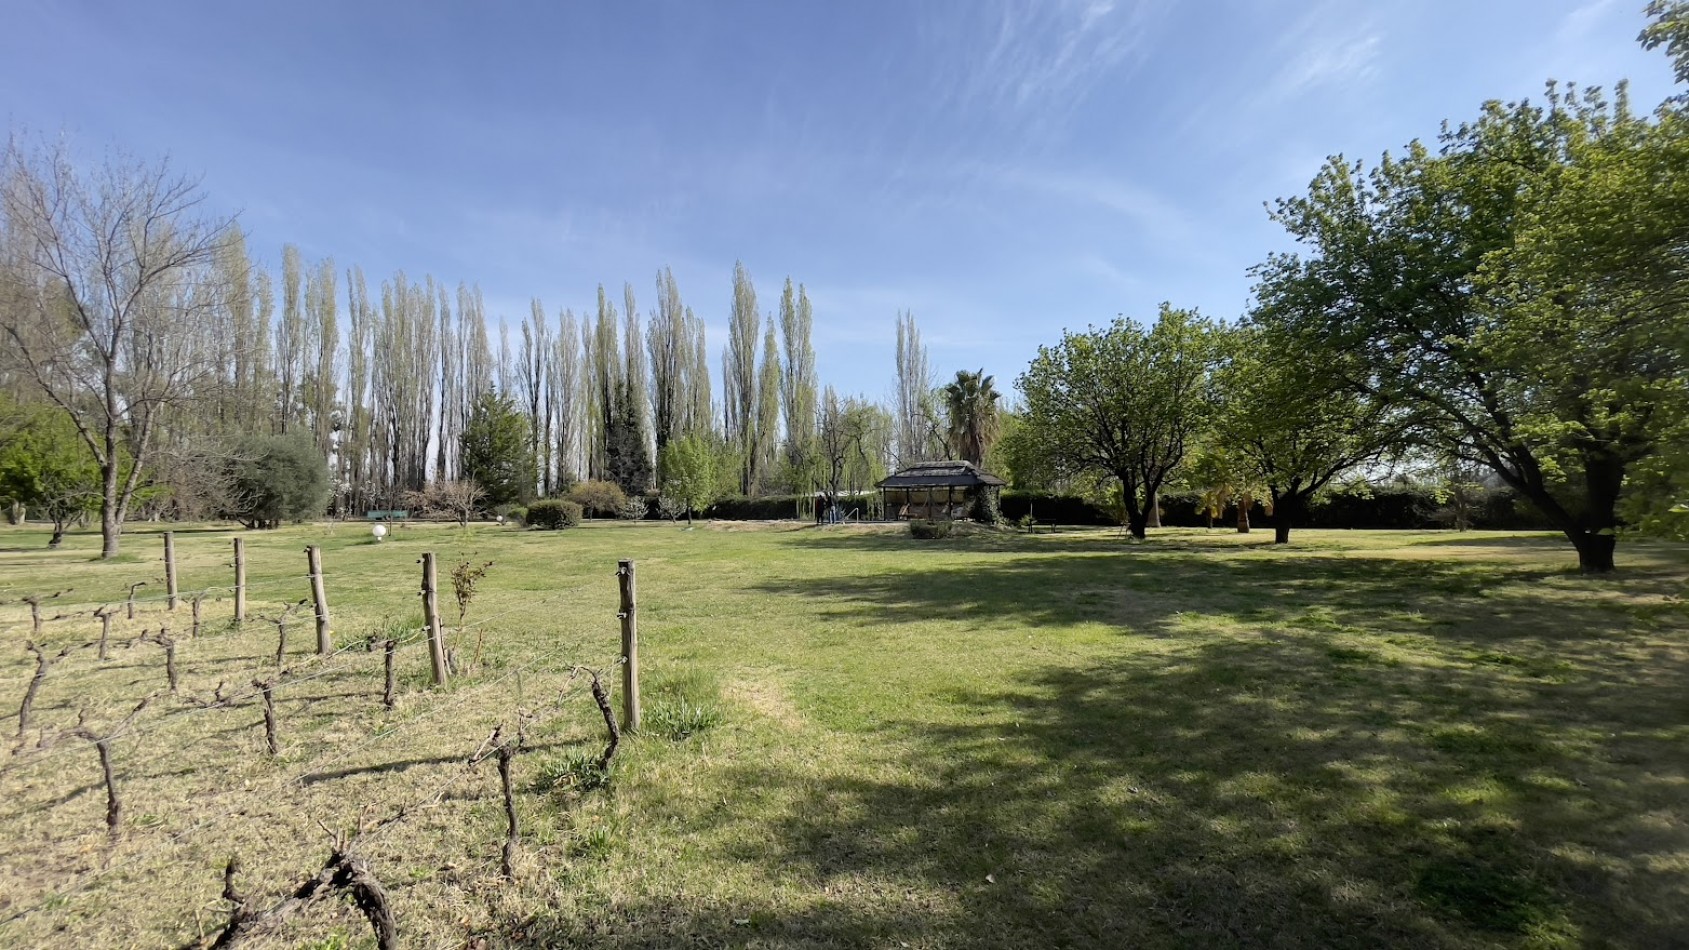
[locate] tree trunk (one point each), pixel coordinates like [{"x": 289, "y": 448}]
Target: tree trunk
[
  {"x": 1136, "y": 523},
  {"x": 58, "y": 535},
  {"x": 111, "y": 528},
  {"x": 1595, "y": 551},
  {"x": 1152, "y": 511},
  {"x": 1285, "y": 509},
  {"x": 1243, "y": 516}
]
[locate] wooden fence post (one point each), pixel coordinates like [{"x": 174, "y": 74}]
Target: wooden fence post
[
  {"x": 170, "y": 568},
  {"x": 630, "y": 647},
  {"x": 431, "y": 611},
  {"x": 271, "y": 740},
  {"x": 132, "y": 589},
  {"x": 240, "y": 580},
  {"x": 314, "y": 557},
  {"x": 104, "y": 613},
  {"x": 389, "y": 694}
]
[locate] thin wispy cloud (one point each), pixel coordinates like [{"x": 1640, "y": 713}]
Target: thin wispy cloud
[
  {"x": 1142, "y": 207},
  {"x": 1037, "y": 61},
  {"x": 1325, "y": 48}
]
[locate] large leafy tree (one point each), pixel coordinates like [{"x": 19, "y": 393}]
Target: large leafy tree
[
  {"x": 497, "y": 452},
  {"x": 1290, "y": 423},
  {"x": 1123, "y": 401},
  {"x": 46, "y": 468},
  {"x": 1518, "y": 290},
  {"x": 970, "y": 404}
]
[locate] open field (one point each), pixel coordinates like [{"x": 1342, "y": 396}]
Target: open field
[{"x": 1366, "y": 739}]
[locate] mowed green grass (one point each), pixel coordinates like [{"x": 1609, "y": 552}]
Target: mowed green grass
[{"x": 859, "y": 740}]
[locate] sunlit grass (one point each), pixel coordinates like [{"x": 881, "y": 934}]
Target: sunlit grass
[{"x": 854, "y": 738}]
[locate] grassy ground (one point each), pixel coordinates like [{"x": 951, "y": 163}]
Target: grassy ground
[{"x": 856, "y": 739}]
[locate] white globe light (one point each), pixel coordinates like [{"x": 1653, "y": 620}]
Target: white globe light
[{"x": 380, "y": 531}]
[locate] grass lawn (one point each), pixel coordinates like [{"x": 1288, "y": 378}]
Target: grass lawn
[{"x": 858, "y": 740}]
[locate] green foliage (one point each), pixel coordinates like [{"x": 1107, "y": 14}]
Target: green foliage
[
  {"x": 680, "y": 718},
  {"x": 1288, "y": 421},
  {"x": 45, "y": 466},
  {"x": 550, "y": 514},
  {"x": 971, "y": 411},
  {"x": 930, "y": 530},
  {"x": 690, "y": 476},
  {"x": 600, "y": 499},
  {"x": 1122, "y": 401},
  {"x": 497, "y": 451},
  {"x": 1518, "y": 290},
  {"x": 277, "y": 478},
  {"x": 626, "y": 460},
  {"x": 572, "y": 772},
  {"x": 762, "y": 508}
]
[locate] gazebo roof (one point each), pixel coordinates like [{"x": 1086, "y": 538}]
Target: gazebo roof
[{"x": 952, "y": 473}]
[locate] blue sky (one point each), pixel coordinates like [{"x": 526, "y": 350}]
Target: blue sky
[{"x": 1002, "y": 169}]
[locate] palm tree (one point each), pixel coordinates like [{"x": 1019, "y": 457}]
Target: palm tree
[{"x": 971, "y": 401}]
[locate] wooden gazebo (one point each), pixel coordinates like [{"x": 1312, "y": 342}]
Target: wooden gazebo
[{"x": 935, "y": 490}]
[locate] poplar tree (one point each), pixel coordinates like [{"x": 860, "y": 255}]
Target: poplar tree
[
  {"x": 914, "y": 395},
  {"x": 321, "y": 297},
  {"x": 292, "y": 341},
  {"x": 604, "y": 372},
  {"x": 355, "y": 444},
  {"x": 670, "y": 350},
  {"x": 739, "y": 375},
  {"x": 633, "y": 373},
  {"x": 701, "y": 418},
  {"x": 563, "y": 390},
  {"x": 765, "y": 452},
  {"x": 535, "y": 348},
  {"x": 797, "y": 384}
]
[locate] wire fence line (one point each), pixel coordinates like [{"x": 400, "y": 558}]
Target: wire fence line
[
  {"x": 169, "y": 735},
  {"x": 183, "y": 594},
  {"x": 242, "y": 798}
]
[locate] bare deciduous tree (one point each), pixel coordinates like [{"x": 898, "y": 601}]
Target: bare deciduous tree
[{"x": 108, "y": 276}]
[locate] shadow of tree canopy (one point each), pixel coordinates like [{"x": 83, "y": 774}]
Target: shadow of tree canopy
[{"x": 1332, "y": 752}]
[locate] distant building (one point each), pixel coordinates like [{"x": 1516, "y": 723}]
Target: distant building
[{"x": 936, "y": 490}]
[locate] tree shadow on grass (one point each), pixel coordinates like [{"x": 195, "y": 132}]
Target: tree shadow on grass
[
  {"x": 1248, "y": 794},
  {"x": 1349, "y": 752}
]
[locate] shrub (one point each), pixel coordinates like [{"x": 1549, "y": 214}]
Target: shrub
[
  {"x": 554, "y": 513},
  {"x": 601, "y": 499},
  {"x": 634, "y": 509},
  {"x": 765, "y": 508},
  {"x": 516, "y": 515},
  {"x": 276, "y": 479},
  {"x": 929, "y": 530},
  {"x": 670, "y": 508}
]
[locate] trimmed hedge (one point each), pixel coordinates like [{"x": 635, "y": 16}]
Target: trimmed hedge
[
  {"x": 1049, "y": 508},
  {"x": 554, "y": 513},
  {"x": 1386, "y": 507},
  {"x": 766, "y": 508}
]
